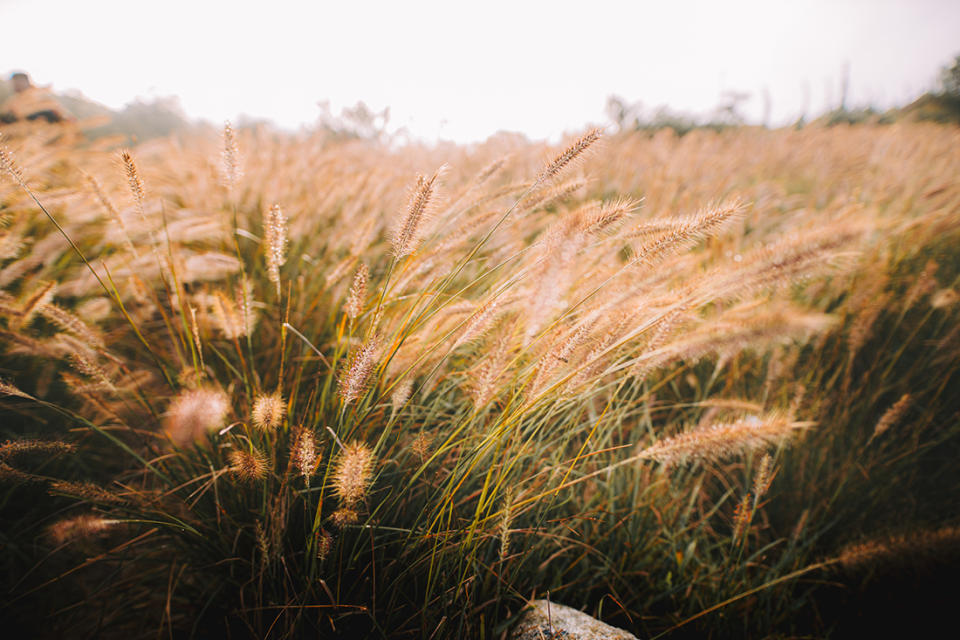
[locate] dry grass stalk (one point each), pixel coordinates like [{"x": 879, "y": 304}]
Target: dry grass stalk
[
  {"x": 571, "y": 153},
  {"x": 134, "y": 181},
  {"x": 407, "y": 233},
  {"x": 356, "y": 374},
  {"x": 275, "y": 238},
  {"x": 724, "y": 440},
  {"x": 909, "y": 549},
  {"x": 85, "y": 491},
  {"x": 892, "y": 416},
  {"x": 16, "y": 447},
  {"x": 357, "y": 297},
  {"x": 231, "y": 158}
]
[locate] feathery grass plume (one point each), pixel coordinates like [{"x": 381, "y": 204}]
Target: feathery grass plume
[
  {"x": 344, "y": 516},
  {"x": 324, "y": 544},
  {"x": 7, "y": 389},
  {"x": 944, "y": 298},
  {"x": 571, "y": 153},
  {"x": 401, "y": 394},
  {"x": 407, "y": 233},
  {"x": 85, "y": 491},
  {"x": 50, "y": 447},
  {"x": 72, "y": 324},
  {"x": 742, "y": 515},
  {"x": 924, "y": 285},
  {"x": 352, "y": 473},
  {"x": 764, "y": 477},
  {"x": 231, "y": 171},
  {"x": 303, "y": 453},
  {"x": 688, "y": 231},
  {"x": 248, "y": 465},
  {"x": 275, "y": 238},
  {"x": 92, "y": 370},
  {"x": 79, "y": 527},
  {"x": 135, "y": 182},
  {"x": 506, "y": 517},
  {"x": 724, "y": 440},
  {"x": 479, "y": 322},
  {"x": 8, "y": 164},
  {"x": 559, "y": 354},
  {"x": 357, "y": 297},
  {"x": 541, "y": 199},
  {"x": 483, "y": 380},
  {"x": 15, "y": 476},
  {"x": 35, "y": 301},
  {"x": 909, "y": 550},
  {"x": 603, "y": 218},
  {"x": 268, "y": 411},
  {"x": 356, "y": 374},
  {"x": 195, "y": 413},
  {"x": 892, "y": 416}
]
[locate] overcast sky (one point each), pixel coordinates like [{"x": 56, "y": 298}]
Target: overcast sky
[{"x": 463, "y": 70}]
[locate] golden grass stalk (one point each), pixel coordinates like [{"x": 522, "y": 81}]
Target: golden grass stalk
[
  {"x": 355, "y": 375},
  {"x": 908, "y": 548},
  {"x": 357, "y": 297},
  {"x": 86, "y": 491},
  {"x": 231, "y": 158},
  {"x": 407, "y": 233},
  {"x": 571, "y": 153},
  {"x": 724, "y": 440},
  {"x": 275, "y": 236},
  {"x": 135, "y": 182},
  {"x": 892, "y": 416}
]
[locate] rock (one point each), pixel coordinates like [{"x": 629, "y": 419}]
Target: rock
[{"x": 563, "y": 623}]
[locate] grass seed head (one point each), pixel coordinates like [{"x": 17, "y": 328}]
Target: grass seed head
[
  {"x": 195, "y": 413},
  {"x": 352, "y": 473},
  {"x": 268, "y": 411}
]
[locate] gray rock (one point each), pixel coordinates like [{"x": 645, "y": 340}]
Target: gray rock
[{"x": 563, "y": 623}]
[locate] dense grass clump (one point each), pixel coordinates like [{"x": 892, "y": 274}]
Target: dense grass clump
[{"x": 284, "y": 386}]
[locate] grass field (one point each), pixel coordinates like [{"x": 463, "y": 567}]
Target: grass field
[{"x": 284, "y": 386}]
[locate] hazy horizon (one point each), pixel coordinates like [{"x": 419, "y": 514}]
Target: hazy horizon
[{"x": 535, "y": 68}]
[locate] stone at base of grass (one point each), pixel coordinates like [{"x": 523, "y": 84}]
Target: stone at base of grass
[{"x": 552, "y": 621}]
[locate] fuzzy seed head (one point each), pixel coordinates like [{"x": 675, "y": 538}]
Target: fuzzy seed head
[
  {"x": 195, "y": 413},
  {"x": 78, "y": 527},
  {"x": 352, "y": 473},
  {"x": 353, "y": 379},
  {"x": 304, "y": 452},
  {"x": 275, "y": 235},
  {"x": 231, "y": 157},
  {"x": 357, "y": 297},
  {"x": 248, "y": 465},
  {"x": 268, "y": 411}
]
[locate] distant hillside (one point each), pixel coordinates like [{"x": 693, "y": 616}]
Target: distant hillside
[{"x": 139, "y": 120}]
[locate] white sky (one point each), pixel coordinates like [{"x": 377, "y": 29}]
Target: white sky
[{"x": 463, "y": 70}]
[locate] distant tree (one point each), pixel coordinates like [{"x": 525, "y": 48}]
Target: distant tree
[{"x": 950, "y": 79}]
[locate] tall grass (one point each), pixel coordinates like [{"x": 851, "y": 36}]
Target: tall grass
[{"x": 303, "y": 386}]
